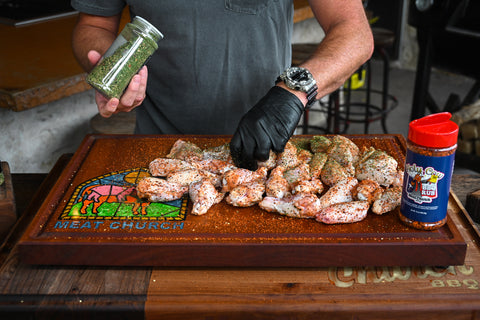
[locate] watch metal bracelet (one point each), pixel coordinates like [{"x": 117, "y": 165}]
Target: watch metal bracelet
[{"x": 311, "y": 96}]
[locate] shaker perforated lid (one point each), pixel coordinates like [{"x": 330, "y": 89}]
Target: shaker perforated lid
[{"x": 434, "y": 131}]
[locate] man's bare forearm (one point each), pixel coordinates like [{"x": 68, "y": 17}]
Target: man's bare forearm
[
  {"x": 93, "y": 33},
  {"x": 347, "y": 45}
]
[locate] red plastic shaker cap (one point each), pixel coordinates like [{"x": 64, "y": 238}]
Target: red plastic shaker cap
[{"x": 434, "y": 131}]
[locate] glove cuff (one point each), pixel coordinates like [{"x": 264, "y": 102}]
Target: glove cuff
[{"x": 287, "y": 98}]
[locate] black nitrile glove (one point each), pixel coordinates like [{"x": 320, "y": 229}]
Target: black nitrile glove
[{"x": 267, "y": 126}]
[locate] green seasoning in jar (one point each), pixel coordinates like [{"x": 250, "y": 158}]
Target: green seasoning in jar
[
  {"x": 125, "y": 57},
  {"x": 431, "y": 145}
]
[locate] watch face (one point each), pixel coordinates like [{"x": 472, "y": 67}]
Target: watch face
[
  {"x": 299, "y": 78},
  {"x": 423, "y": 5}
]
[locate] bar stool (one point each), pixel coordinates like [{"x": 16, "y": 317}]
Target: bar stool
[{"x": 341, "y": 107}]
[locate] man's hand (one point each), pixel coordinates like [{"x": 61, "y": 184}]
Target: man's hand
[
  {"x": 131, "y": 98},
  {"x": 267, "y": 126}
]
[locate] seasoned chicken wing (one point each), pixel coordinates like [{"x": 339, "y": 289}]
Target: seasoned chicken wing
[
  {"x": 246, "y": 195},
  {"x": 213, "y": 165},
  {"x": 160, "y": 190},
  {"x": 388, "y": 201},
  {"x": 240, "y": 176},
  {"x": 332, "y": 172},
  {"x": 367, "y": 190},
  {"x": 277, "y": 186},
  {"x": 345, "y": 212},
  {"x": 185, "y": 150},
  {"x": 304, "y": 155},
  {"x": 297, "y": 174},
  {"x": 290, "y": 183},
  {"x": 319, "y": 144},
  {"x": 162, "y": 167},
  {"x": 398, "y": 180},
  {"x": 314, "y": 186},
  {"x": 345, "y": 152},
  {"x": 316, "y": 164},
  {"x": 301, "y": 205},
  {"x": 339, "y": 192},
  {"x": 288, "y": 158},
  {"x": 377, "y": 165},
  {"x": 221, "y": 152},
  {"x": 185, "y": 177},
  {"x": 204, "y": 196},
  {"x": 270, "y": 163}
]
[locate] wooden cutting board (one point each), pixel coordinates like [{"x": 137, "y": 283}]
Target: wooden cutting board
[{"x": 93, "y": 217}]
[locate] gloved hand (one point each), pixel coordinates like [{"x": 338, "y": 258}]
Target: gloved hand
[{"x": 267, "y": 126}]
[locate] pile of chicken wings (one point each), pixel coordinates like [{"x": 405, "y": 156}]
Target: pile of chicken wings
[{"x": 328, "y": 179}]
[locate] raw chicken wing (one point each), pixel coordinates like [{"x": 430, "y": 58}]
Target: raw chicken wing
[
  {"x": 240, "y": 176},
  {"x": 213, "y": 165},
  {"x": 301, "y": 205},
  {"x": 160, "y": 190},
  {"x": 297, "y": 174},
  {"x": 319, "y": 144},
  {"x": 277, "y": 186},
  {"x": 204, "y": 196},
  {"x": 389, "y": 200},
  {"x": 367, "y": 190},
  {"x": 345, "y": 152},
  {"x": 309, "y": 186},
  {"x": 162, "y": 167},
  {"x": 246, "y": 195},
  {"x": 333, "y": 172},
  {"x": 221, "y": 152},
  {"x": 317, "y": 163},
  {"x": 288, "y": 158},
  {"x": 340, "y": 192},
  {"x": 377, "y": 165},
  {"x": 185, "y": 150},
  {"x": 186, "y": 177},
  {"x": 270, "y": 163},
  {"x": 346, "y": 212}
]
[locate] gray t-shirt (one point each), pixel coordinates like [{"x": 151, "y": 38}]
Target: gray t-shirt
[{"x": 218, "y": 58}]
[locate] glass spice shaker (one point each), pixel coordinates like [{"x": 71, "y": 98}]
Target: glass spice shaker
[
  {"x": 125, "y": 57},
  {"x": 431, "y": 145}
]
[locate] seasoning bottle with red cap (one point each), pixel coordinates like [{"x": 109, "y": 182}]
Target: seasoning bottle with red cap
[{"x": 431, "y": 145}]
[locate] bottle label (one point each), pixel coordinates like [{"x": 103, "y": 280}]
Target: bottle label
[{"x": 426, "y": 187}]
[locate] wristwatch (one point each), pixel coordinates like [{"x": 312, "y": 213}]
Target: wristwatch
[
  {"x": 423, "y": 5},
  {"x": 298, "y": 78}
]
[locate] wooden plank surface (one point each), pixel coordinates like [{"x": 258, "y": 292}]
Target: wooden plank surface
[{"x": 227, "y": 235}]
